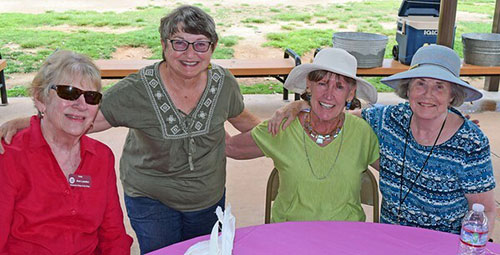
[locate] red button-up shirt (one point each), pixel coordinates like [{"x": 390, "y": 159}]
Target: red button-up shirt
[{"x": 40, "y": 213}]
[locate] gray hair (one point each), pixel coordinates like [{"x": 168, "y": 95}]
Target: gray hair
[
  {"x": 189, "y": 19},
  {"x": 457, "y": 92},
  {"x": 63, "y": 65}
]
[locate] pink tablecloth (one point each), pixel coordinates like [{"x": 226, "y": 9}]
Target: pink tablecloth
[{"x": 330, "y": 237}]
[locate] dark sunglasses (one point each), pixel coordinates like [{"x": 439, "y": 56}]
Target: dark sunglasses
[
  {"x": 182, "y": 45},
  {"x": 71, "y": 93}
]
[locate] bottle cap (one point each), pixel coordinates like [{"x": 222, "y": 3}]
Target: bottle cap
[{"x": 478, "y": 207}]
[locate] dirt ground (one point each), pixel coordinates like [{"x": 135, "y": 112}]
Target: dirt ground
[
  {"x": 40, "y": 6},
  {"x": 249, "y": 46},
  {"x": 248, "y": 206}
]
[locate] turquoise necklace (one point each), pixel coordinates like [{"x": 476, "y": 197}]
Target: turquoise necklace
[
  {"x": 319, "y": 138},
  {"x": 310, "y": 163}
]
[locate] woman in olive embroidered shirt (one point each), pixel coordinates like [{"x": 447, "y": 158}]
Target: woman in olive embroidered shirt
[{"x": 173, "y": 165}]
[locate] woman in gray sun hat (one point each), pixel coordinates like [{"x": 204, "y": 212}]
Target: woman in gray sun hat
[
  {"x": 312, "y": 188},
  {"x": 434, "y": 162}
]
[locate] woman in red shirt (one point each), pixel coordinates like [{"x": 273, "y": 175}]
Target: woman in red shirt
[{"x": 57, "y": 186}]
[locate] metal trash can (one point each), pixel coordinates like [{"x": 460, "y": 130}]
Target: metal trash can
[
  {"x": 482, "y": 49},
  {"x": 367, "y": 48}
]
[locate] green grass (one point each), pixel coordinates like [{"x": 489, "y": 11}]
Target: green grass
[
  {"x": 24, "y": 31},
  {"x": 375, "y": 81},
  {"x": 254, "y": 20},
  {"x": 263, "y": 88},
  {"x": 229, "y": 41},
  {"x": 258, "y": 88},
  {"x": 477, "y": 6},
  {"x": 27, "y": 39},
  {"x": 301, "y": 40},
  {"x": 17, "y": 91},
  {"x": 293, "y": 16}
]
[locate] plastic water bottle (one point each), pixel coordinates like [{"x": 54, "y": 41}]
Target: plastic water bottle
[{"x": 474, "y": 234}]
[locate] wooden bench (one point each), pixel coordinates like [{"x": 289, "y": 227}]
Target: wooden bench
[
  {"x": 278, "y": 68},
  {"x": 3, "y": 86},
  {"x": 390, "y": 67}
]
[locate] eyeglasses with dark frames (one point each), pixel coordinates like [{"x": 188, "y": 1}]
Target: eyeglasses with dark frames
[
  {"x": 71, "y": 93},
  {"x": 182, "y": 45}
]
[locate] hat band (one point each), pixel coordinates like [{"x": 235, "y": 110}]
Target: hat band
[{"x": 441, "y": 66}]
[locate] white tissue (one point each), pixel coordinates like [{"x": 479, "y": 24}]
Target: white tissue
[{"x": 217, "y": 245}]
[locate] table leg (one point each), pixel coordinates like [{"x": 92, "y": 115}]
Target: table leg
[{"x": 3, "y": 88}]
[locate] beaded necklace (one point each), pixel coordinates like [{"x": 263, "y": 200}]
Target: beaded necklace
[
  {"x": 319, "y": 138},
  {"x": 309, "y": 161},
  {"x": 330, "y": 137}
]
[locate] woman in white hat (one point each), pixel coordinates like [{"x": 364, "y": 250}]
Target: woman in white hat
[
  {"x": 434, "y": 163},
  {"x": 321, "y": 157}
]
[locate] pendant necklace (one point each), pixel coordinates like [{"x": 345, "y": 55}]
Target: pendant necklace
[
  {"x": 401, "y": 198},
  {"x": 319, "y": 138},
  {"x": 334, "y": 162}
]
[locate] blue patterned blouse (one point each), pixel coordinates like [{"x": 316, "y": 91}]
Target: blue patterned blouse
[{"x": 459, "y": 166}]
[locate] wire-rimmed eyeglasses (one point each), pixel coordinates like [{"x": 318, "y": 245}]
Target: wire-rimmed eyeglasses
[{"x": 182, "y": 45}]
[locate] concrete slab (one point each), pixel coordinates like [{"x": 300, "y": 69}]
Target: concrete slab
[{"x": 246, "y": 179}]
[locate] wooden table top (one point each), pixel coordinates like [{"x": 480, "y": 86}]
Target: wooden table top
[
  {"x": 390, "y": 67},
  {"x": 3, "y": 64},
  {"x": 238, "y": 67},
  {"x": 272, "y": 67}
]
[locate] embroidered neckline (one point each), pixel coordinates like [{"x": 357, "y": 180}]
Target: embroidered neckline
[{"x": 174, "y": 123}]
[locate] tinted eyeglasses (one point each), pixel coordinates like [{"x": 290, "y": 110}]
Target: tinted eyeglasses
[
  {"x": 182, "y": 45},
  {"x": 71, "y": 93}
]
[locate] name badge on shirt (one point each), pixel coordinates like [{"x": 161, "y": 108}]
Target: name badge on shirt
[{"x": 82, "y": 181}]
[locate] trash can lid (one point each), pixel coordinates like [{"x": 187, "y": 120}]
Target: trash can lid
[{"x": 419, "y": 8}]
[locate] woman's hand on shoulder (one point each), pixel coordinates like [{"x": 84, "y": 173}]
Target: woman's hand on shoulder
[
  {"x": 288, "y": 112},
  {"x": 475, "y": 121},
  {"x": 10, "y": 128}
]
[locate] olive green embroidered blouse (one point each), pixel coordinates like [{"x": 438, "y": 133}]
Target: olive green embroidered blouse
[{"x": 176, "y": 158}]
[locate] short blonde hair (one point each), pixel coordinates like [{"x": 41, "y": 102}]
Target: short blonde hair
[{"x": 63, "y": 64}]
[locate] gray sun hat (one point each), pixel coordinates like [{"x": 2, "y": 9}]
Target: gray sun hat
[
  {"x": 333, "y": 60},
  {"x": 438, "y": 62}
]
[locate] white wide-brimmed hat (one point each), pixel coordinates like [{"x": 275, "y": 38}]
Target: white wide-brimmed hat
[
  {"x": 437, "y": 62},
  {"x": 333, "y": 60}
]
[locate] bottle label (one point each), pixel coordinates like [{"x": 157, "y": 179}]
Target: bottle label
[{"x": 473, "y": 238}]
